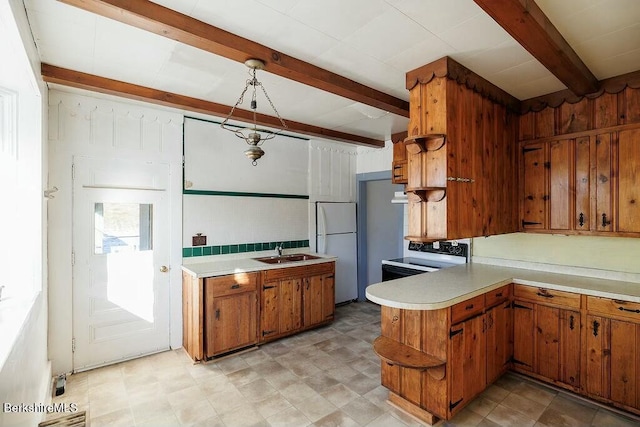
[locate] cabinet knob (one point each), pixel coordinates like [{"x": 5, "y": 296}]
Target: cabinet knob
[
  {"x": 604, "y": 220},
  {"x": 164, "y": 269},
  {"x": 581, "y": 219}
]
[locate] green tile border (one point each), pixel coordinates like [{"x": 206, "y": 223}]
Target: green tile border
[
  {"x": 241, "y": 248},
  {"x": 243, "y": 194}
]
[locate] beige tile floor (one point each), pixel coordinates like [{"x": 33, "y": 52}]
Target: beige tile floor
[{"x": 325, "y": 377}]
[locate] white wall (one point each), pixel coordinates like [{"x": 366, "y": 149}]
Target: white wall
[
  {"x": 332, "y": 177},
  {"x": 214, "y": 162},
  {"x": 105, "y": 127},
  {"x": 375, "y": 159},
  {"x": 617, "y": 254},
  {"x": 24, "y": 368}
]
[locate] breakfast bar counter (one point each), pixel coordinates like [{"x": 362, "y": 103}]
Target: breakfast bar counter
[
  {"x": 446, "y": 287},
  {"x": 448, "y": 335}
]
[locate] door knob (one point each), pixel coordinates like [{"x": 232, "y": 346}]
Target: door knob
[{"x": 164, "y": 269}]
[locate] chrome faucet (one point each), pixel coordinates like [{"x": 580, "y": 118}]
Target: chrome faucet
[{"x": 279, "y": 249}]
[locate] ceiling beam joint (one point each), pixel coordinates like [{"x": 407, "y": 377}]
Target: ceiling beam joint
[{"x": 528, "y": 24}]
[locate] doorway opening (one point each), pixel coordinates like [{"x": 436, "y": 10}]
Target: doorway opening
[{"x": 380, "y": 226}]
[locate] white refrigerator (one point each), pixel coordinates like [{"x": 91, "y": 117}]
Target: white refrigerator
[{"x": 336, "y": 235}]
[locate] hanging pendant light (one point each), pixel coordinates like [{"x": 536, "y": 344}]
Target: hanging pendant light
[{"x": 252, "y": 135}]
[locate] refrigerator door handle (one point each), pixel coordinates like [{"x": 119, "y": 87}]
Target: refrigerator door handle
[{"x": 323, "y": 219}]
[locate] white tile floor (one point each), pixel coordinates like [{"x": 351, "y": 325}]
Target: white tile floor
[{"x": 325, "y": 377}]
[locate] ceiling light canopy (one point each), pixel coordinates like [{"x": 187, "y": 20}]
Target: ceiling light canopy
[{"x": 251, "y": 135}]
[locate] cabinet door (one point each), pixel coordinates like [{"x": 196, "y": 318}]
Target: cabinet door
[
  {"x": 582, "y": 216},
  {"x": 467, "y": 365},
  {"x": 523, "y": 343},
  {"x": 598, "y": 344},
  {"x": 570, "y": 348},
  {"x": 328, "y": 296},
  {"x": 499, "y": 340},
  {"x": 390, "y": 327},
  {"x": 269, "y": 310},
  {"x": 534, "y": 185},
  {"x": 625, "y": 363},
  {"x": 290, "y": 305},
  {"x": 547, "y": 341},
  {"x": 231, "y": 323},
  {"x": 312, "y": 297},
  {"x": 400, "y": 172},
  {"x": 560, "y": 183},
  {"x": 603, "y": 196},
  {"x": 628, "y": 173}
]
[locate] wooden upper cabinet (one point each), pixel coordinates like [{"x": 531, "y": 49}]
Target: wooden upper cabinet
[
  {"x": 560, "y": 183},
  {"x": 583, "y": 179},
  {"x": 534, "y": 186},
  {"x": 628, "y": 177},
  {"x": 399, "y": 170},
  {"x": 604, "y": 181},
  {"x": 583, "y": 185},
  {"x": 461, "y": 176}
]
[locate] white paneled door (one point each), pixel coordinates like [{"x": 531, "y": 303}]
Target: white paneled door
[{"x": 120, "y": 258}]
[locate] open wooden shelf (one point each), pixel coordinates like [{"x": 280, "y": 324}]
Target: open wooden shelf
[
  {"x": 396, "y": 353},
  {"x": 428, "y": 194},
  {"x": 429, "y": 142}
]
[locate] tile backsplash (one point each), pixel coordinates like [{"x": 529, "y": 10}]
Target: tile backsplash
[{"x": 241, "y": 248}]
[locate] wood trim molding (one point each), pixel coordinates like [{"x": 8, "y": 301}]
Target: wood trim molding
[
  {"x": 526, "y": 23},
  {"x": 447, "y": 67},
  {"x": 66, "y": 77},
  {"x": 168, "y": 23},
  {"x": 612, "y": 85},
  {"x": 399, "y": 136}
]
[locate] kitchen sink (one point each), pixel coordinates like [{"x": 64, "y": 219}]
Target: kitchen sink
[{"x": 284, "y": 259}]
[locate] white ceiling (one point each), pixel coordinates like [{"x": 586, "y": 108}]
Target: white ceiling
[{"x": 374, "y": 42}]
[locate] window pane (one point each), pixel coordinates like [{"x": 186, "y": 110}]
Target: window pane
[{"x": 123, "y": 227}]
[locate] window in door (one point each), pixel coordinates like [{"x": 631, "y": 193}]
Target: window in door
[{"x": 123, "y": 227}]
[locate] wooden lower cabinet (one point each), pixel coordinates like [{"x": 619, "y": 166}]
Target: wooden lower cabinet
[
  {"x": 231, "y": 323},
  {"x": 467, "y": 364},
  {"x": 296, "y": 298},
  {"x": 499, "y": 340},
  {"x": 230, "y": 313},
  {"x": 523, "y": 343},
  {"x": 219, "y": 314},
  {"x": 318, "y": 299},
  {"x": 613, "y": 352},
  {"x": 477, "y": 344},
  {"x": 547, "y": 337},
  {"x": 588, "y": 345},
  {"x": 281, "y": 308},
  {"x": 227, "y": 313}
]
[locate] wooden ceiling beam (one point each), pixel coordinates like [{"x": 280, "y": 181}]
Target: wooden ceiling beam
[
  {"x": 166, "y": 22},
  {"x": 526, "y": 23},
  {"x": 76, "y": 79}
]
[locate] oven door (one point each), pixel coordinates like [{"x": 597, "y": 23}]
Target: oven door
[{"x": 391, "y": 272}]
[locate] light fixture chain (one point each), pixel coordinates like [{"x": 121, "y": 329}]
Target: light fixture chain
[{"x": 284, "y": 125}]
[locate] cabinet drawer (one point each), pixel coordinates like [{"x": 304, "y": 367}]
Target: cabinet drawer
[
  {"x": 231, "y": 284},
  {"x": 496, "y": 296},
  {"x": 547, "y": 296},
  {"x": 614, "y": 307},
  {"x": 465, "y": 309},
  {"x": 299, "y": 271}
]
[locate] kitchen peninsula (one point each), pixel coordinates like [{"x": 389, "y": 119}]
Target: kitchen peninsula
[
  {"x": 447, "y": 335},
  {"x": 234, "y": 302}
]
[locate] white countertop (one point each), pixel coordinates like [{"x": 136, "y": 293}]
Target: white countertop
[
  {"x": 220, "y": 265},
  {"x": 446, "y": 287}
]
